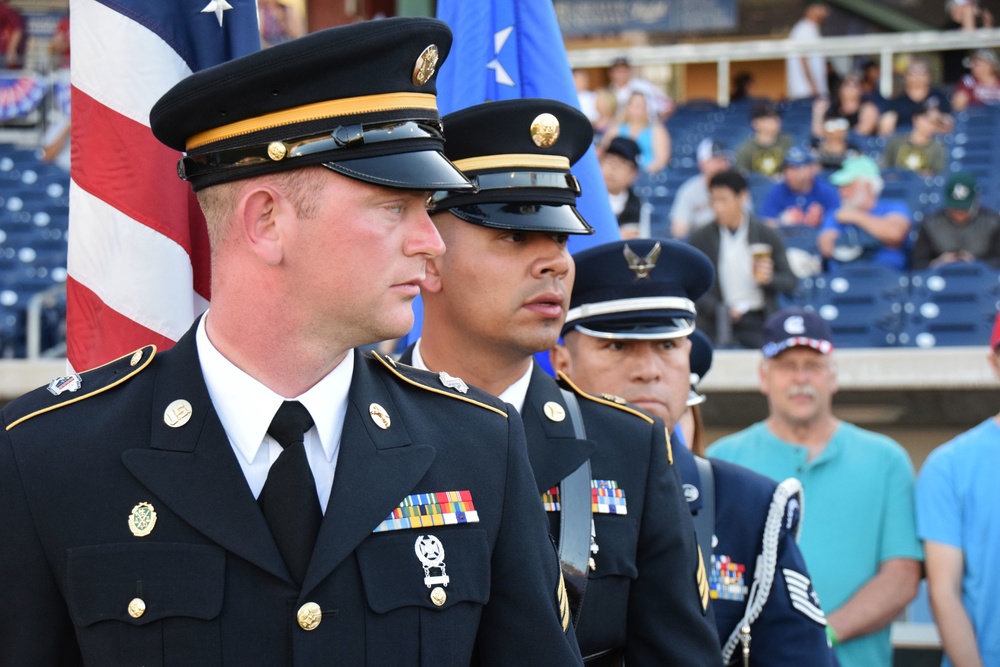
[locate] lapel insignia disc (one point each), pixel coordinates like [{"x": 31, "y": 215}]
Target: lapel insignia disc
[
  {"x": 641, "y": 266},
  {"x": 426, "y": 63},
  {"x": 545, "y": 130},
  {"x": 142, "y": 519},
  {"x": 379, "y": 416},
  {"x": 453, "y": 382},
  {"x": 68, "y": 383},
  {"x": 177, "y": 413},
  {"x": 430, "y": 551},
  {"x": 554, "y": 411}
]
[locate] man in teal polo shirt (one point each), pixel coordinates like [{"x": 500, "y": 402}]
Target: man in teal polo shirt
[{"x": 859, "y": 534}]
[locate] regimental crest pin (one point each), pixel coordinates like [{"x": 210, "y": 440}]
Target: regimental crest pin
[
  {"x": 641, "y": 266},
  {"x": 453, "y": 382},
  {"x": 68, "y": 383},
  {"x": 142, "y": 520}
]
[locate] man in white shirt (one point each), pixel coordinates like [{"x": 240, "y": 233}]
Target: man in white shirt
[{"x": 807, "y": 73}]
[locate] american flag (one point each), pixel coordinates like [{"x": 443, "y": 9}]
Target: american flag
[{"x": 138, "y": 250}]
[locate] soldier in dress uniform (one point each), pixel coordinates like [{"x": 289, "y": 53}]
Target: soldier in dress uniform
[
  {"x": 630, "y": 332},
  {"x": 498, "y": 296},
  {"x": 263, "y": 494}
]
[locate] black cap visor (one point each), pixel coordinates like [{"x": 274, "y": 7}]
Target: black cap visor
[
  {"x": 641, "y": 325},
  {"x": 417, "y": 170},
  {"x": 525, "y": 216}
]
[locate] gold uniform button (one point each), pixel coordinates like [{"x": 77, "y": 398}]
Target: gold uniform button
[
  {"x": 309, "y": 616},
  {"x": 438, "y": 596},
  {"x": 136, "y": 608}
]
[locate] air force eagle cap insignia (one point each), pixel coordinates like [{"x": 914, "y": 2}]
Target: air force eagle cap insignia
[
  {"x": 518, "y": 153},
  {"x": 358, "y": 99},
  {"x": 643, "y": 289}
]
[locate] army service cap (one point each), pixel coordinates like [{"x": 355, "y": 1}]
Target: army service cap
[
  {"x": 518, "y": 153},
  {"x": 357, "y": 99},
  {"x": 641, "y": 289}
]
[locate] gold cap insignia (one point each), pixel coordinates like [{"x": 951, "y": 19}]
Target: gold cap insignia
[
  {"x": 136, "y": 608},
  {"x": 136, "y": 358},
  {"x": 177, "y": 413},
  {"x": 379, "y": 416},
  {"x": 426, "y": 63},
  {"x": 309, "y": 616},
  {"x": 141, "y": 520},
  {"x": 554, "y": 411},
  {"x": 545, "y": 130},
  {"x": 277, "y": 151},
  {"x": 641, "y": 266}
]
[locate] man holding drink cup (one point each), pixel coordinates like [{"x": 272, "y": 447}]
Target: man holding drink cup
[{"x": 750, "y": 263}]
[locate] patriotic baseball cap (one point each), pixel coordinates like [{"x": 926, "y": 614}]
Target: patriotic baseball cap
[
  {"x": 795, "y": 327},
  {"x": 518, "y": 154},
  {"x": 358, "y": 99},
  {"x": 641, "y": 289}
]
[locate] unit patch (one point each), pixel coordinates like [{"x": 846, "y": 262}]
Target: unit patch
[
  {"x": 726, "y": 580},
  {"x": 419, "y": 510},
  {"x": 606, "y": 498}
]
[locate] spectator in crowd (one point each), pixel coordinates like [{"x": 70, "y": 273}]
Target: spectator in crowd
[
  {"x": 859, "y": 533},
  {"x": 917, "y": 91},
  {"x": 833, "y": 146},
  {"x": 278, "y": 22},
  {"x": 806, "y": 74},
  {"x": 958, "y": 519},
  {"x": 964, "y": 15},
  {"x": 802, "y": 197},
  {"x": 584, "y": 94},
  {"x": 59, "y": 44},
  {"x": 865, "y": 226},
  {"x": 633, "y": 338},
  {"x": 750, "y": 262},
  {"x": 691, "y": 208},
  {"x": 870, "y": 83},
  {"x": 623, "y": 82},
  {"x": 963, "y": 231},
  {"x": 606, "y": 108},
  {"x": 848, "y": 102},
  {"x": 639, "y": 125},
  {"x": 13, "y": 40},
  {"x": 917, "y": 150},
  {"x": 743, "y": 85},
  {"x": 981, "y": 85},
  {"x": 620, "y": 168},
  {"x": 763, "y": 152}
]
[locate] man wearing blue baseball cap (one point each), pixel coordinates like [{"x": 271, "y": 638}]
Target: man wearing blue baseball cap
[
  {"x": 630, "y": 332},
  {"x": 859, "y": 532},
  {"x": 637, "y": 587},
  {"x": 802, "y": 197}
]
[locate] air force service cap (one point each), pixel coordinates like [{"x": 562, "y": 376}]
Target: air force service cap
[
  {"x": 518, "y": 153},
  {"x": 642, "y": 289},
  {"x": 358, "y": 99}
]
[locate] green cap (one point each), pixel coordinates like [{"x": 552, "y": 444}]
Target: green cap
[
  {"x": 854, "y": 168},
  {"x": 960, "y": 191}
]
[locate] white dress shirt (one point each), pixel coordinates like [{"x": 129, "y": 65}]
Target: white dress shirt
[
  {"x": 513, "y": 394},
  {"x": 736, "y": 281},
  {"x": 246, "y": 408}
]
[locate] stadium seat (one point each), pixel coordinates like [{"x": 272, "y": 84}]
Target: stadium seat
[
  {"x": 954, "y": 304},
  {"x": 862, "y": 302}
]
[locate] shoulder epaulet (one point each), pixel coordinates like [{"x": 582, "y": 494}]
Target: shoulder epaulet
[
  {"x": 69, "y": 389},
  {"x": 417, "y": 378},
  {"x": 605, "y": 399}
]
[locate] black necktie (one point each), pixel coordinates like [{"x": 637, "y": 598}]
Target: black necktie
[{"x": 288, "y": 499}]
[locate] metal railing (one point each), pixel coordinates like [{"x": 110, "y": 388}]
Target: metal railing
[{"x": 885, "y": 45}]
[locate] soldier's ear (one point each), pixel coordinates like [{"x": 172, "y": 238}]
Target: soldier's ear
[
  {"x": 263, "y": 215},
  {"x": 561, "y": 359}
]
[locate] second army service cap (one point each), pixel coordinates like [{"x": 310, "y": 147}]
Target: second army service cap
[
  {"x": 518, "y": 153},
  {"x": 358, "y": 99},
  {"x": 642, "y": 289}
]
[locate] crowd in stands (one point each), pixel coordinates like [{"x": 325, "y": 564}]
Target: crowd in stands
[{"x": 841, "y": 183}]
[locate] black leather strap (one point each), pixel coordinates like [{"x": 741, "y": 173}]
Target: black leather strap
[
  {"x": 704, "y": 520},
  {"x": 575, "y": 519}
]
